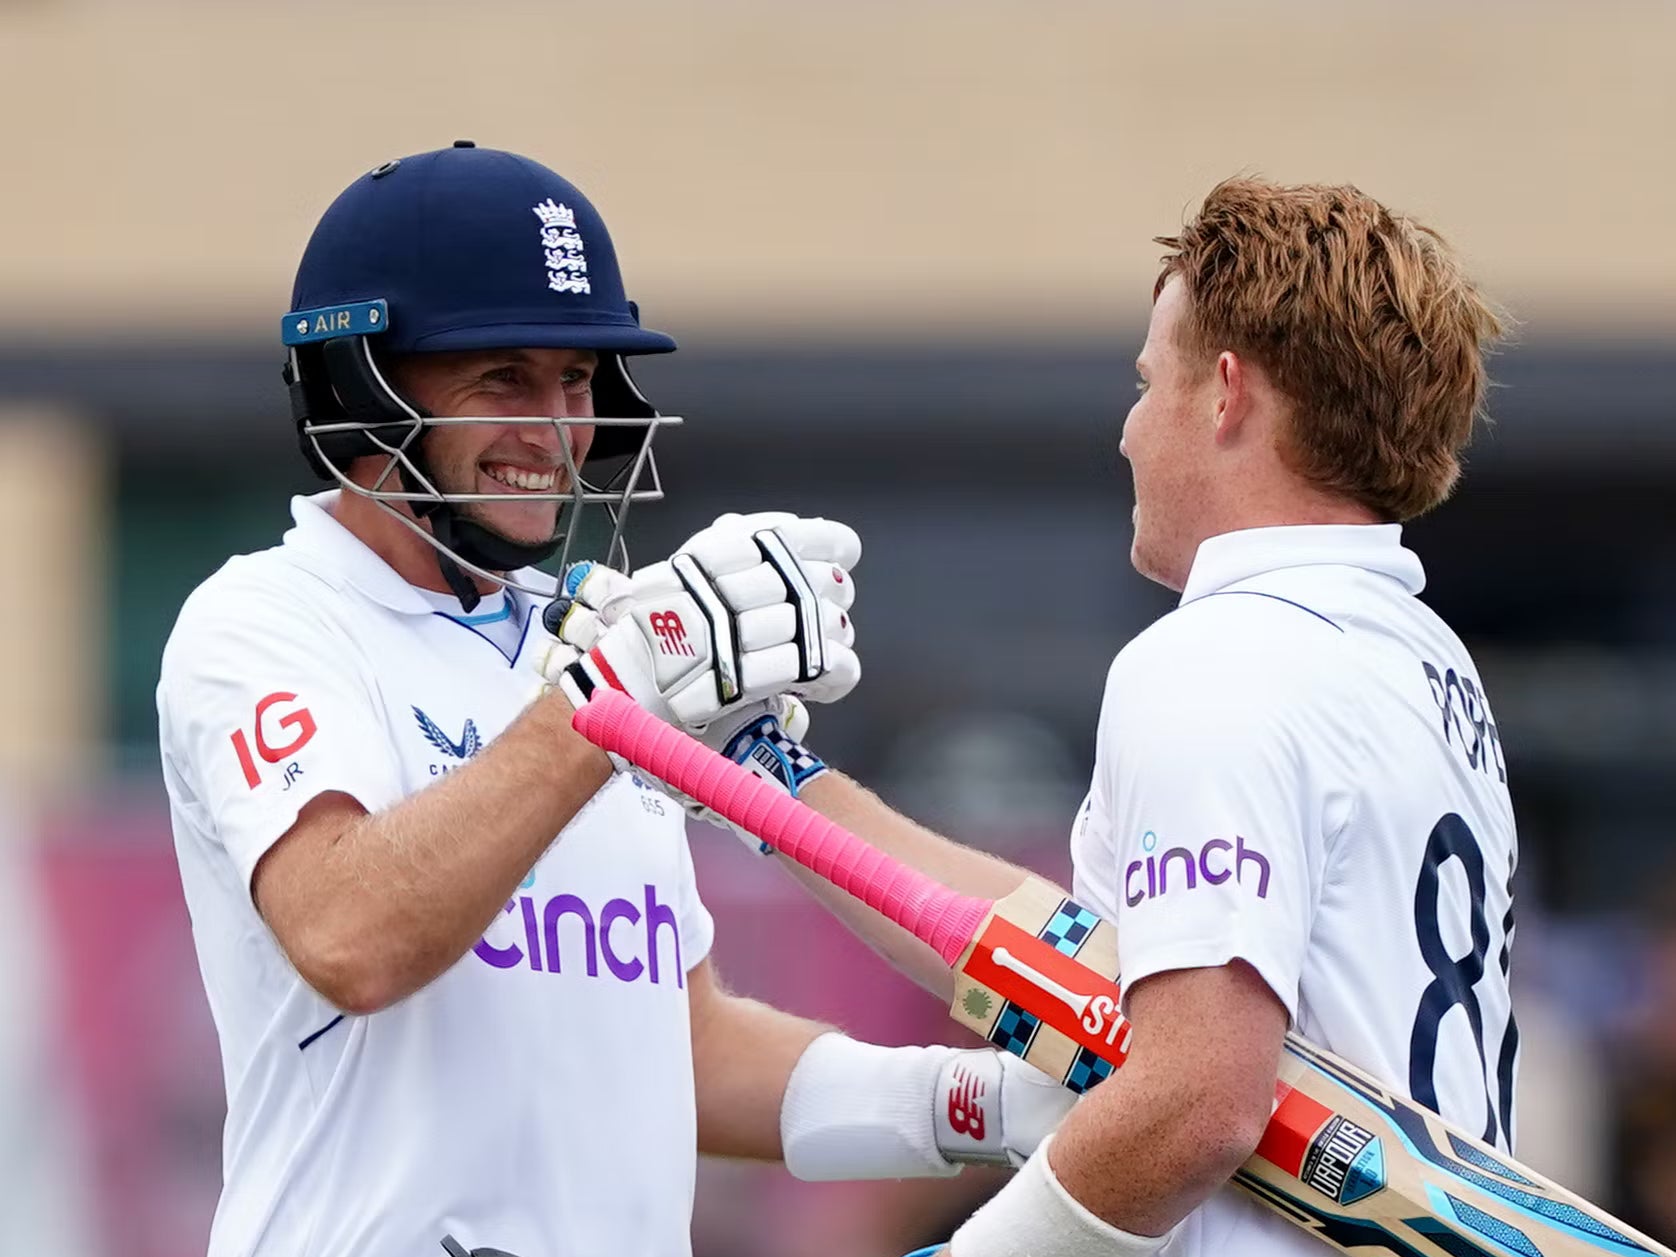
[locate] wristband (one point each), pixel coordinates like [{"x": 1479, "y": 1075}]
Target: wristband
[
  {"x": 1035, "y": 1214},
  {"x": 772, "y": 754},
  {"x": 764, "y": 747},
  {"x": 860, "y": 1111}
]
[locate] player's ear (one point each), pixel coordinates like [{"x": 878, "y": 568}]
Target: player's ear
[{"x": 1231, "y": 396}]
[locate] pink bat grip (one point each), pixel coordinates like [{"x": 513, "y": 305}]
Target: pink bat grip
[{"x": 927, "y": 909}]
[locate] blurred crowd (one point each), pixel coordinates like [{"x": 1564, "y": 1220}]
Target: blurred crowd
[{"x": 109, "y": 1078}]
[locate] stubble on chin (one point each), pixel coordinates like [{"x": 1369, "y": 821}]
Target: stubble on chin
[{"x": 533, "y": 524}]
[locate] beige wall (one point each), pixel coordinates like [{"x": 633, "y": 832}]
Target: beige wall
[
  {"x": 54, "y": 496},
  {"x": 833, "y": 161}
]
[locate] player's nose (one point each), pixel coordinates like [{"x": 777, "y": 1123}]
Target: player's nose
[{"x": 559, "y": 407}]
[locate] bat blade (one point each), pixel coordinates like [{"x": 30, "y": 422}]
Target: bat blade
[
  {"x": 1344, "y": 1157},
  {"x": 1382, "y": 1174}
]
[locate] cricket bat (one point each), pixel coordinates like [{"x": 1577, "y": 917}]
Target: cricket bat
[{"x": 1344, "y": 1156}]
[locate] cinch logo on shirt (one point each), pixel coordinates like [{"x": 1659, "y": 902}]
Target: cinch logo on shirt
[
  {"x": 1215, "y": 862},
  {"x": 619, "y": 948}
]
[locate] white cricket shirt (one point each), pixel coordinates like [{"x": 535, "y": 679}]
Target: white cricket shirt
[
  {"x": 538, "y": 1096},
  {"x": 1299, "y": 768}
]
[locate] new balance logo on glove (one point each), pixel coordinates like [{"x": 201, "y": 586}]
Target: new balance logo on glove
[{"x": 671, "y": 633}]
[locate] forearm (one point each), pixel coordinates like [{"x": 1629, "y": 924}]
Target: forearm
[
  {"x": 1147, "y": 1147},
  {"x": 398, "y": 896},
  {"x": 833, "y": 1108},
  {"x": 1152, "y": 1142},
  {"x": 740, "y": 1092},
  {"x": 964, "y": 869}
]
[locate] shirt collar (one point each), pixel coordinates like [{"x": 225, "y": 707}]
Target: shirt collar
[
  {"x": 1235, "y": 556},
  {"x": 338, "y": 556},
  {"x": 332, "y": 552}
]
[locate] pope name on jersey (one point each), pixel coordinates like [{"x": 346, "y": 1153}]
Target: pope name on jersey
[
  {"x": 312, "y": 667},
  {"x": 1299, "y": 769}
]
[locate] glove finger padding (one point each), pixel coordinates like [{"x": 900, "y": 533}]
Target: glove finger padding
[
  {"x": 762, "y": 585},
  {"x": 837, "y": 625},
  {"x": 597, "y": 586},
  {"x": 763, "y": 627},
  {"x": 778, "y": 670},
  {"x": 822, "y": 541},
  {"x": 843, "y": 674},
  {"x": 542, "y": 657},
  {"x": 574, "y": 623},
  {"x": 591, "y": 598},
  {"x": 815, "y": 540},
  {"x": 732, "y": 554},
  {"x": 725, "y": 553}
]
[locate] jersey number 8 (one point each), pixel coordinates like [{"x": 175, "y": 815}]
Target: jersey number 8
[{"x": 1453, "y": 979}]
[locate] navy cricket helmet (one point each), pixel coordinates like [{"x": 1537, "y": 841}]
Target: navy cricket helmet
[{"x": 465, "y": 248}]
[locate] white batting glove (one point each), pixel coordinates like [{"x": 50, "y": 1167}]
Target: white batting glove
[
  {"x": 743, "y": 613},
  {"x": 788, "y": 580},
  {"x": 602, "y": 615},
  {"x": 992, "y": 1109},
  {"x": 543, "y": 659},
  {"x": 621, "y": 641}
]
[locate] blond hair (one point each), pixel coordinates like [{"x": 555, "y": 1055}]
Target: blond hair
[{"x": 1362, "y": 317}]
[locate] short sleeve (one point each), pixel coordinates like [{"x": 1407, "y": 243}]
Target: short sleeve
[
  {"x": 260, "y": 709},
  {"x": 1214, "y": 830},
  {"x": 698, "y": 928}
]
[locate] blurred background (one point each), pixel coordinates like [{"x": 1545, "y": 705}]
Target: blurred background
[{"x": 906, "y": 250}]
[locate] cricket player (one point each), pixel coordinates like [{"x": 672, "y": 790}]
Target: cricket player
[
  {"x": 457, "y": 962},
  {"x": 1299, "y": 812}
]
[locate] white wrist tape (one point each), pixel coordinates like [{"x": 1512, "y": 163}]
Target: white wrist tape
[
  {"x": 860, "y": 1111},
  {"x": 1035, "y": 1214}
]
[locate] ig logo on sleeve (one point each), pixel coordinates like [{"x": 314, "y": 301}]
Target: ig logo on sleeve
[{"x": 280, "y": 731}]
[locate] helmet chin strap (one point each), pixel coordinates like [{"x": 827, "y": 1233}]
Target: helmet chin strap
[
  {"x": 475, "y": 544},
  {"x": 481, "y": 547}
]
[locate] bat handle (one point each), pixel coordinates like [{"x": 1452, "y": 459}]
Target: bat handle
[{"x": 930, "y": 911}]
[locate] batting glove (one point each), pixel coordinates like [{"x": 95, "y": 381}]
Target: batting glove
[
  {"x": 765, "y": 736},
  {"x": 993, "y": 1109},
  {"x": 545, "y": 660},
  {"x": 743, "y": 612},
  {"x": 788, "y": 581},
  {"x": 598, "y": 613}
]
